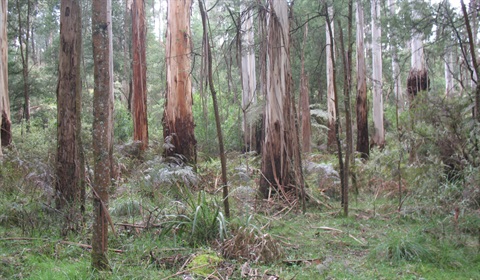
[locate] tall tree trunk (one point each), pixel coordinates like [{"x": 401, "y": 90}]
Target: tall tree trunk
[
  {"x": 178, "y": 125},
  {"x": 24, "y": 55},
  {"x": 127, "y": 64},
  {"x": 363, "y": 145},
  {"x": 304, "y": 104},
  {"x": 337, "y": 117},
  {"x": 379, "y": 132},
  {"x": 69, "y": 90},
  {"x": 332, "y": 114},
  {"x": 5, "y": 123},
  {"x": 140, "y": 122},
  {"x": 281, "y": 164},
  {"x": 347, "y": 88},
  {"x": 249, "y": 81},
  {"x": 418, "y": 79},
  {"x": 208, "y": 54},
  {"x": 397, "y": 84},
  {"x": 102, "y": 127}
]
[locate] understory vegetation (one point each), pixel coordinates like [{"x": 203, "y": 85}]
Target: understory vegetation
[{"x": 414, "y": 213}]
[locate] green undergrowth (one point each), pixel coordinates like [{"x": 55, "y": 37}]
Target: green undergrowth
[{"x": 169, "y": 222}]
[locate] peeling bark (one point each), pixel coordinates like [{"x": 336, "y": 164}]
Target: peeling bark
[
  {"x": 281, "y": 164},
  {"x": 178, "y": 125}
]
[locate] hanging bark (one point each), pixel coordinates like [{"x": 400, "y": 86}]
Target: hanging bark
[
  {"x": 208, "y": 54},
  {"x": 139, "y": 102},
  {"x": 248, "y": 75},
  {"x": 68, "y": 184},
  {"x": 304, "y": 104},
  {"x": 363, "y": 145},
  {"x": 102, "y": 127},
  {"x": 178, "y": 125},
  {"x": 281, "y": 164},
  {"x": 332, "y": 114},
  {"x": 379, "y": 132},
  {"x": 5, "y": 123}
]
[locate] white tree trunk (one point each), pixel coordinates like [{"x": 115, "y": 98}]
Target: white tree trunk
[
  {"x": 363, "y": 145},
  {"x": 397, "y": 84},
  {"x": 449, "y": 66},
  {"x": 249, "y": 81},
  {"x": 330, "y": 91},
  {"x": 379, "y": 133},
  {"x": 4, "y": 100}
]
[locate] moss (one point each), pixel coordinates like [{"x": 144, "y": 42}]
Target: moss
[{"x": 204, "y": 264}]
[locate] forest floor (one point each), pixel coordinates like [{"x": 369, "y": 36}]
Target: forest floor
[{"x": 183, "y": 234}]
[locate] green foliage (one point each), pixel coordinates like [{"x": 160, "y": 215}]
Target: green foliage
[
  {"x": 199, "y": 219},
  {"x": 205, "y": 129},
  {"x": 123, "y": 124},
  {"x": 403, "y": 247}
]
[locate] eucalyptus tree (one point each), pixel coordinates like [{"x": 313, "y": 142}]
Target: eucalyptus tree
[
  {"x": 248, "y": 75},
  {"x": 178, "y": 125},
  {"x": 139, "y": 98},
  {"x": 5, "y": 122},
  {"x": 418, "y": 79},
  {"x": 102, "y": 127},
  {"x": 69, "y": 173},
  {"x": 281, "y": 164},
  {"x": 363, "y": 145},
  {"x": 377, "y": 80},
  {"x": 397, "y": 81},
  {"x": 332, "y": 113}
]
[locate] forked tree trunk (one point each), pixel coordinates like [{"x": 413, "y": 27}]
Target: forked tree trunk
[
  {"x": 332, "y": 114},
  {"x": 363, "y": 145},
  {"x": 5, "y": 123},
  {"x": 102, "y": 127},
  {"x": 377, "y": 80},
  {"x": 178, "y": 125},
  {"x": 69, "y": 89},
  {"x": 249, "y": 81},
  {"x": 139, "y": 102},
  {"x": 281, "y": 164},
  {"x": 304, "y": 104}
]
